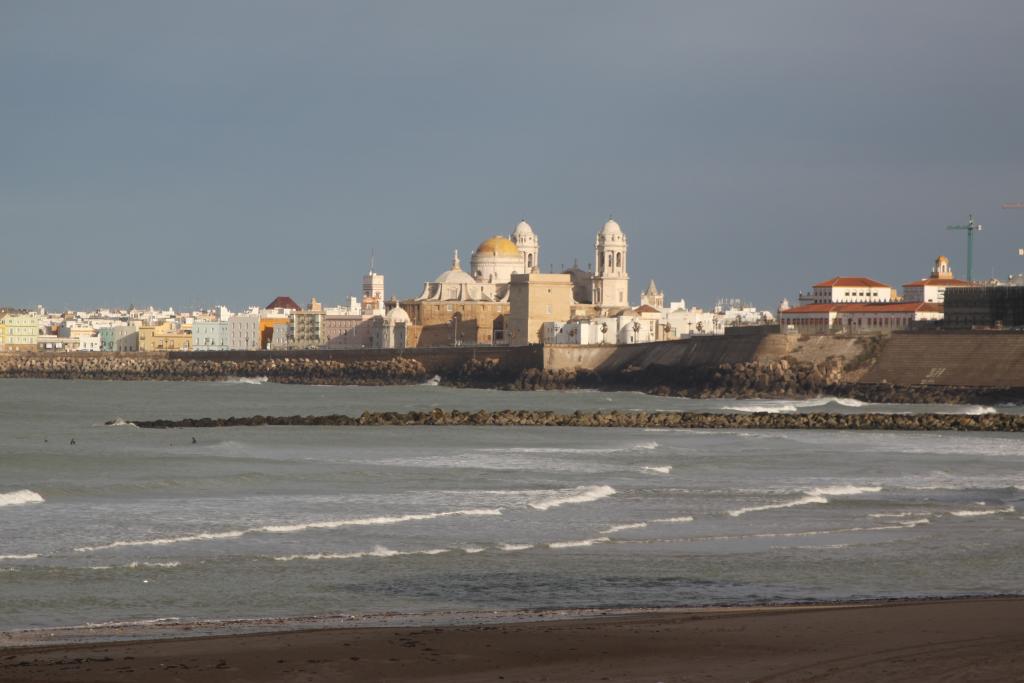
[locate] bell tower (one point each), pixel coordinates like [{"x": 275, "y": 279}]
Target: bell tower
[{"x": 611, "y": 277}]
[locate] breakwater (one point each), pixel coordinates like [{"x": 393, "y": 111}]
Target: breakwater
[
  {"x": 156, "y": 366},
  {"x": 631, "y": 419}
]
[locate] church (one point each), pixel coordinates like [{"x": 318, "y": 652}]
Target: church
[{"x": 472, "y": 306}]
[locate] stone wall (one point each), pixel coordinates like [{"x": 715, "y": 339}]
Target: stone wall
[{"x": 969, "y": 359}]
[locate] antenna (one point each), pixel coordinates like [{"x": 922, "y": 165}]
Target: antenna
[{"x": 371, "y": 260}]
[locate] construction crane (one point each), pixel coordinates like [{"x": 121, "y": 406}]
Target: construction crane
[{"x": 971, "y": 227}]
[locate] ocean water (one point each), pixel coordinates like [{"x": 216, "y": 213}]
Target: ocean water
[{"x": 131, "y": 525}]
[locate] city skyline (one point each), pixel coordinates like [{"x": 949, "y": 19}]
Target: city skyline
[{"x": 190, "y": 155}]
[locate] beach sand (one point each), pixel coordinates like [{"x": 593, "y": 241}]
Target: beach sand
[{"x": 963, "y": 639}]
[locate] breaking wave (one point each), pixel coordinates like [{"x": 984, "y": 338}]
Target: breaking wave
[
  {"x": 378, "y": 551},
  {"x": 245, "y": 380},
  {"x": 659, "y": 469},
  {"x": 580, "y": 494},
  {"x": 623, "y": 527},
  {"x": 293, "y": 528},
  {"x": 21, "y": 497},
  {"x": 31, "y": 556},
  {"x": 119, "y": 422},
  {"x": 983, "y": 513},
  {"x": 673, "y": 520},
  {"x": 811, "y": 496},
  {"x": 579, "y": 544},
  {"x": 512, "y": 547}
]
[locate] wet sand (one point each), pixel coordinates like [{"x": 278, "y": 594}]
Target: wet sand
[{"x": 964, "y": 639}]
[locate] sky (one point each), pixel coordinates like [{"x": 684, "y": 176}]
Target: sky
[{"x": 194, "y": 153}]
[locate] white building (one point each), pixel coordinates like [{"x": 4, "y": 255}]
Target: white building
[
  {"x": 848, "y": 290},
  {"x": 211, "y": 335},
  {"x": 528, "y": 244},
  {"x": 933, "y": 289},
  {"x": 244, "y": 332}
]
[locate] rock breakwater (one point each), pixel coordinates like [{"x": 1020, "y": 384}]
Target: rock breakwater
[
  {"x": 160, "y": 367},
  {"x": 631, "y": 419}
]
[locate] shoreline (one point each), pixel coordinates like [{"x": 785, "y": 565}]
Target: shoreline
[{"x": 847, "y": 640}]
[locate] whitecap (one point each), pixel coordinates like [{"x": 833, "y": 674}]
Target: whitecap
[
  {"x": 579, "y": 544},
  {"x": 20, "y": 497},
  {"x": 659, "y": 469},
  {"x": 983, "y": 513},
  {"x": 30, "y": 556},
  {"x": 473, "y": 549},
  {"x": 294, "y": 528},
  {"x": 245, "y": 380},
  {"x": 624, "y": 527},
  {"x": 763, "y": 408},
  {"x": 673, "y": 520},
  {"x": 512, "y": 547},
  {"x": 580, "y": 494},
  {"x": 378, "y": 551}
]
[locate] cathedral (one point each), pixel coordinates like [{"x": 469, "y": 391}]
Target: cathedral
[{"x": 470, "y": 306}]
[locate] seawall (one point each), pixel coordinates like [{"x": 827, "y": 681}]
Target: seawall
[{"x": 968, "y": 359}]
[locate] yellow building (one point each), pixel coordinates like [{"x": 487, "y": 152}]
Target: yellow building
[
  {"x": 534, "y": 299},
  {"x": 163, "y": 337},
  {"x": 19, "y": 331}
]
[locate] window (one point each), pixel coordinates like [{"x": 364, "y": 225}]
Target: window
[{"x": 618, "y": 260}]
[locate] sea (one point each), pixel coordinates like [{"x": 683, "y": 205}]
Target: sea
[{"x": 136, "y": 526}]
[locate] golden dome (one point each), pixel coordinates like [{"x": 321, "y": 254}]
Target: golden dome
[{"x": 498, "y": 246}]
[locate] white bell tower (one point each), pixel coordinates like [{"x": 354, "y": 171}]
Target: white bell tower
[
  {"x": 611, "y": 277},
  {"x": 526, "y": 241}
]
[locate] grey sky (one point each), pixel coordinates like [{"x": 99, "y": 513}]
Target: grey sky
[{"x": 193, "y": 153}]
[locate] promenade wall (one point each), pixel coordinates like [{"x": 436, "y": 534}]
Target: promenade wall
[{"x": 955, "y": 358}]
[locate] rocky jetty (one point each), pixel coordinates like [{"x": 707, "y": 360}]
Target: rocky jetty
[
  {"x": 160, "y": 367},
  {"x": 666, "y": 420}
]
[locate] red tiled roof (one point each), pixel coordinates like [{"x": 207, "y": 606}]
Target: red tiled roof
[
  {"x": 851, "y": 282},
  {"x": 284, "y": 302},
  {"x": 646, "y": 309},
  {"x": 867, "y": 308},
  {"x": 932, "y": 281}
]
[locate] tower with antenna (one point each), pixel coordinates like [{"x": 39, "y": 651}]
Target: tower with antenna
[
  {"x": 970, "y": 227},
  {"x": 373, "y": 289}
]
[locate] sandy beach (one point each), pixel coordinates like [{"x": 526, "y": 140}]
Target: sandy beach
[{"x": 964, "y": 639}]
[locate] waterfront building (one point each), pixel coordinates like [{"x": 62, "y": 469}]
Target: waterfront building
[
  {"x": 373, "y": 292},
  {"x": 933, "y": 289},
  {"x": 985, "y": 307},
  {"x": 119, "y": 338},
  {"x": 210, "y": 335},
  {"x": 163, "y": 337},
  {"x": 848, "y": 290},
  {"x": 276, "y": 314},
  {"x": 18, "y": 330},
  {"x": 858, "y": 318},
  {"x": 307, "y": 329},
  {"x": 244, "y": 332},
  {"x": 535, "y": 299}
]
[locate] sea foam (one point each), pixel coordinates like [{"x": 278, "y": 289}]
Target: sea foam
[
  {"x": 659, "y": 469},
  {"x": 30, "y": 556},
  {"x": 580, "y": 494},
  {"x": 20, "y": 497}
]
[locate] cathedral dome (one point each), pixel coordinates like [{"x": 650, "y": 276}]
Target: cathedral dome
[
  {"x": 397, "y": 315},
  {"x": 497, "y": 246},
  {"x": 456, "y": 275}
]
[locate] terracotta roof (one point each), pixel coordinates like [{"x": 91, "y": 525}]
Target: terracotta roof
[
  {"x": 646, "y": 309},
  {"x": 284, "y": 302},
  {"x": 867, "y": 308},
  {"x": 851, "y": 282},
  {"x": 939, "y": 281}
]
